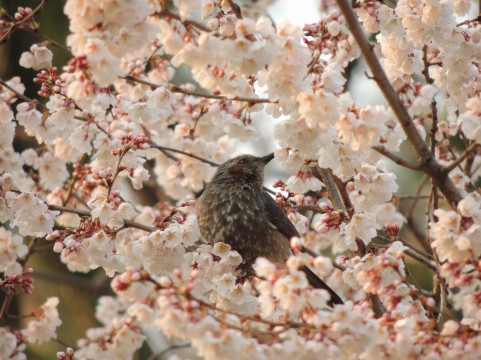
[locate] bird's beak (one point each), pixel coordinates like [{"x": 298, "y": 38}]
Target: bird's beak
[{"x": 265, "y": 159}]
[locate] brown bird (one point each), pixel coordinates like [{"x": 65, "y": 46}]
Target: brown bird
[{"x": 234, "y": 209}]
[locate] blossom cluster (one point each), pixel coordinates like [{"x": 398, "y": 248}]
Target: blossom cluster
[{"x": 123, "y": 145}]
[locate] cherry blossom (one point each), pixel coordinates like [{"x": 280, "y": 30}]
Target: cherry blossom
[
  {"x": 43, "y": 327},
  {"x": 39, "y": 57},
  {"x": 101, "y": 167}
]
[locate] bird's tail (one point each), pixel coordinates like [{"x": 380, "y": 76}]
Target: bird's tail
[{"x": 316, "y": 282}]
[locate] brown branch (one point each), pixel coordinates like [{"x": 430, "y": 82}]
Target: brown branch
[
  {"x": 413, "y": 165},
  {"x": 460, "y": 159},
  {"x": 410, "y": 211},
  {"x": 434, "y": 127},
  {"x": 42, "y": 107},
  {"x": 421, "y": 259},
  {"x": 250, "y": 318},
  {"x": 73, "y": 181},
  {"x": 118, "y": 169},
  {"x": 429, "y": 164},
  {"x": 383, "y": 82},
  {"x": 165, "y": 148},
  {"x": 413, "y": 252},
  {"x": 340, "y": 199},
  {"x": 441, "y": 285},
  {"x": 412, "y": 197},
  {"x": 187, "y": 23},
  {"x": 161, "y": 354},
  {"x": 313, "y": 208},
  {"x": 469, "y": 21},
  {"x": 235, "y": 9},
  {"x": 21, "y": 96},
  {"x": 329, "y": 181},
  {"x": 409, "y": 215},
  {"x": 51, "y": 41},
  {"x": 419, "y": 290},
  {"x": 23, "y": 21},
  {"x": 177, "y": 89},
  {"x": 86, "y": 213},
  {"x": 189, "y": 296},
  {"x": 385, "y": 237},
  {"x": 9, "y": 296},
  {"x": 169, "y": 155}
]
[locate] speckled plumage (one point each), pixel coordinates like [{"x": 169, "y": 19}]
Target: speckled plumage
[
  {"x": 226, "y": 213},
  {"x": 234, "y": 209}
]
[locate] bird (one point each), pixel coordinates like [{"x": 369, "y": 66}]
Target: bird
[{"x": 235, "y": 209}]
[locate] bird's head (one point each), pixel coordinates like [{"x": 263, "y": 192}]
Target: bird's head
[{"x": 246, "y": 168}]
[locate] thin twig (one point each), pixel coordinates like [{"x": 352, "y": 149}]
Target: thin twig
[
  {"x": 460, "y": 159},
  {"x": 177, "y": 89},
  {"x": 167, "y": 350},
  {"x": 432, "y": 142},
  {"x": 165, "y": 148},
  {"x": 118, "y": 169},
  {"x": 412, "y": 197},
  {"x": 329, "y": 181},
  {"x": 53, "y": 42},
  {"x": 187, "y": 23},
  {"x": 415, "y": 285},
  {"x": 42, "y": 107},
  {"x": 469, "y": 21},
  {"x": 64, "y": 343},
  {"x": 313, "y": 208},
  {"x": 383, "y": 236},
  {"x": 10, "y": 295},
  {"x": 86, "y": 213},
  {"x": 413, "y": 165},
  {"x": 414, "y": 253},
  {"x": 73, "y": 181},
  {"x": 21, "y": 96},
  {"x": 24, "y": 20},
  {"x": 340, "y": 199},
  {"x": 409, "y": 215},
  {"x": 439, "y": 279}
]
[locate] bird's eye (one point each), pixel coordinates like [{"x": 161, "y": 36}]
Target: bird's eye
[{"x": 243, "y": 161}]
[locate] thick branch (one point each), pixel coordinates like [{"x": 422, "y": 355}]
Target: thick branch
[
  {"x": 381, "y": 79},
  {"x": 429, "y": 164}
]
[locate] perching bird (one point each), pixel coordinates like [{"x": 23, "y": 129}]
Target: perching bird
[{"x": 234, "y": 209}]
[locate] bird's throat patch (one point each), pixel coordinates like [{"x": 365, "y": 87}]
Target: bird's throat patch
[{"x": 236, "y": 169}]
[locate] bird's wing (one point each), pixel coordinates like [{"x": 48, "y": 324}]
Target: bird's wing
[
  {"x": 278, "y": 218},
  {"x": 281, "y": 222}
]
